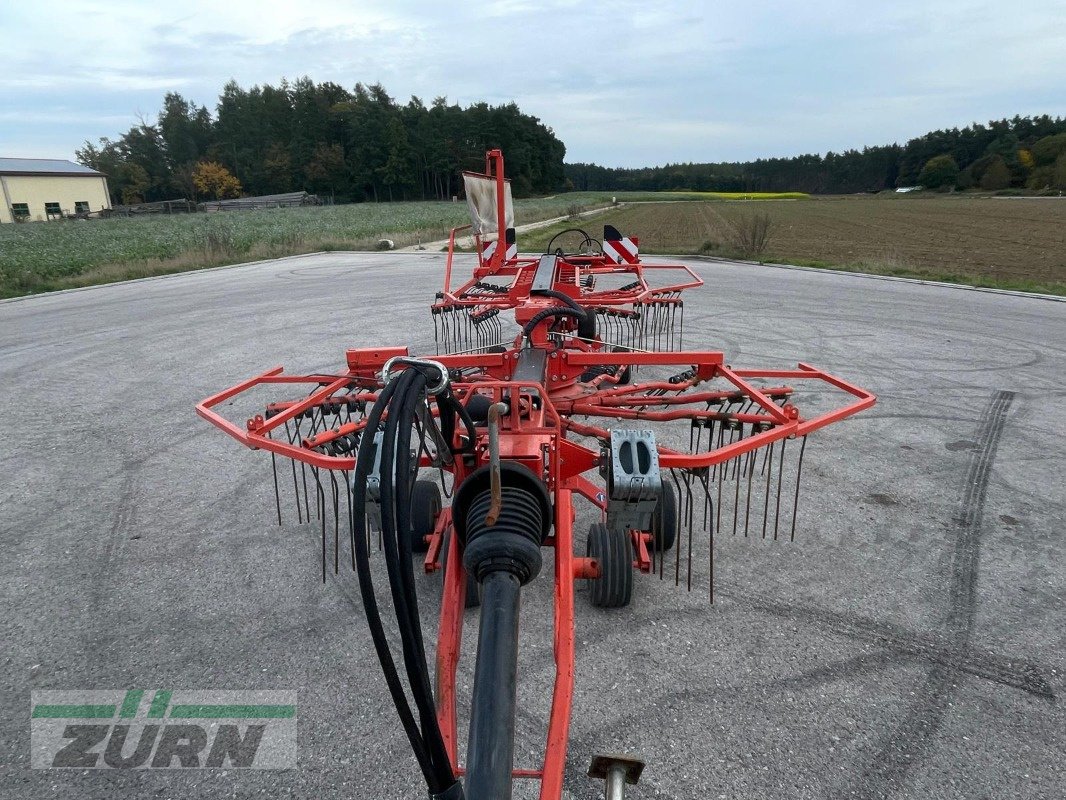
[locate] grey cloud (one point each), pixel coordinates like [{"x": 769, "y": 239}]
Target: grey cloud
[{"x": 622, "y": 84}]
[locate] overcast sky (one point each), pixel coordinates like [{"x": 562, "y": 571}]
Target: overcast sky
[{"x": 622, "y": 84}]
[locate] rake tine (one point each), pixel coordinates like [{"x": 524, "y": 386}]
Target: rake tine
[
  {"x": 320, "y": 499},
  {"x": 769, "y": 473},
  {"x": 295, "y": 484},
  {"x": 736, "y": 496},
  {"x": 303, "y": 470},
  {"x": 677, "y": 545},
  {"x": 708, "y": 521},
  {"x": 274, "y": 468},
  {"x": 351, "y": 514},
  {"x": 718, "y": 513},
  {"x": 721, "y": 434},
  {"x": 750, "y": 469},
  {"x": 795, "y": 501},
  {"x": 780, "y": 475},
  {"x": 767, "y": 454},
  {"x": 688, "y": 519},
  {"x": 736, "y": 459},
  {"x": 336, "y": 524}
]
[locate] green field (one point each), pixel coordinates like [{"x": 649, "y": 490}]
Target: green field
[
  {"x": 1009, "y": 243},
  {"x": 38, "y": 257}
]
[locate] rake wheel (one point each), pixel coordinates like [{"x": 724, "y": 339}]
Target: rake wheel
[
  {"x": 425, "y": 506},
  {"x": 664, "y": 521},
  {"x": 613, "y": 551}
]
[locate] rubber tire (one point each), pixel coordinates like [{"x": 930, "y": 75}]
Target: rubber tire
[
  {"x": 425, "y": 507},
  {"x": 613, "y": 550},
  {"x": 664, "y": 520},
  {"x": 626, "y": 377},
  {"x": 473, "y": 590},
  {"x": 586, "y": 329}
]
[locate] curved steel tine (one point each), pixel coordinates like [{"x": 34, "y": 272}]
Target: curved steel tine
[
  {"x": 336, "y": 523},
  {"x": 795, "y": 501},
  {"x": 769, "y": 474},
  {"x": 750, "y": 469},
  {"x": 780, "y": 475}
]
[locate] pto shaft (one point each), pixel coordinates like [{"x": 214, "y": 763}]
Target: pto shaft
[
  {"x": 490, "y": 753},
  {"x": 502, "y": 557}
]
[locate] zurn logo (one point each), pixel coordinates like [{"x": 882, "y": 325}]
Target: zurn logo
[{"x": 163, "y": 729}]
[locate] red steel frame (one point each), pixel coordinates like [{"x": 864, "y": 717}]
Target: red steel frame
[
  {"x": 539, "y": 438},
  {"x": 567, "y": 462},
  {"x": 517, "y": 269}
]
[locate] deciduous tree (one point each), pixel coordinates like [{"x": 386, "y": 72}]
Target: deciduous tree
[
  {"x": 996, "y": 175},
  {"x": 215, "y": 181},
  {"x": 939, "y": 172}
]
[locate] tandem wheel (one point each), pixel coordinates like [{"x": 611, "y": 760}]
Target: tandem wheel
[
  {"x": 613, "y": 551},
  {"x": 664, "y": 520},
  {"x": 425, "y": 507}
]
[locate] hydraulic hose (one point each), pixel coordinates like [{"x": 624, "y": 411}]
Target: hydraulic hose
[
  {"x": 558, "y": 296},
  {"x": 586, "y": 325},
  {"x": 554, "y": 311},
  {"x": 400, "y": 398}
]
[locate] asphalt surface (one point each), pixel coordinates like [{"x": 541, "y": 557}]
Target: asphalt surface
[{"x": 909, "y": 644}]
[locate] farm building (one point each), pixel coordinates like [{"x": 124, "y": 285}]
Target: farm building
[{"x": 49, "y": 188}]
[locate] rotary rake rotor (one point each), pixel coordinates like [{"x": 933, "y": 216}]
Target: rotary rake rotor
[{"x": 556, "y": 377}]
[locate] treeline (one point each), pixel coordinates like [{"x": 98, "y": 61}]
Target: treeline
[
  {"x": 1020, "y": 152},
  {"x": 323, "y": 138}
]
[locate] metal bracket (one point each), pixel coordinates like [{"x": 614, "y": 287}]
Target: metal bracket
[
  {"x": 634, "y": 482},
  {"x": 442, "y": 450},
  {"x": 373, "y": 485},
  {"x": 386, "y": 371},
  {"x": 373, "y": 482},
  {"x": 617, "y": 770}
]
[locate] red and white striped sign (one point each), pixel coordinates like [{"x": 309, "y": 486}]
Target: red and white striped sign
[
  {"x": 488, "y": 248},
  {"x": 622, "y": 251}
]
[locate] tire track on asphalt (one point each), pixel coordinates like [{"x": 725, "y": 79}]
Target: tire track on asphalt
[{"x": 905, "y": 748}]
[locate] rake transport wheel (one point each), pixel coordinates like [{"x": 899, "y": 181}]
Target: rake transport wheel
[
  {"x": 425, "y": 506},
  {"x": 613, "y": 551},
  {"x": 624, "y": 378},
  {"x": 664, "y": 520}
]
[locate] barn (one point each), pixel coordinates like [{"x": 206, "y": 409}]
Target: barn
[{"x": 48, "y": 188}]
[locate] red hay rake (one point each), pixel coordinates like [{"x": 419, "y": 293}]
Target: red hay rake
[{"x": 516, "y": 425}]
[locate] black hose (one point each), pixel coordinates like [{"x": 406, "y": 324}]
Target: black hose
[
  {"x": 400, "y": 397},
  {"x": 554, "y": 311},
  {"x": 366, "y": 584},
  {"x": 586, "y": 326},
  {"x": 587, "y": 240},
  {"x": 558, "y": 296},
  {"x": 464, "y": 416},
  {"x": 395, "y": 522}
]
